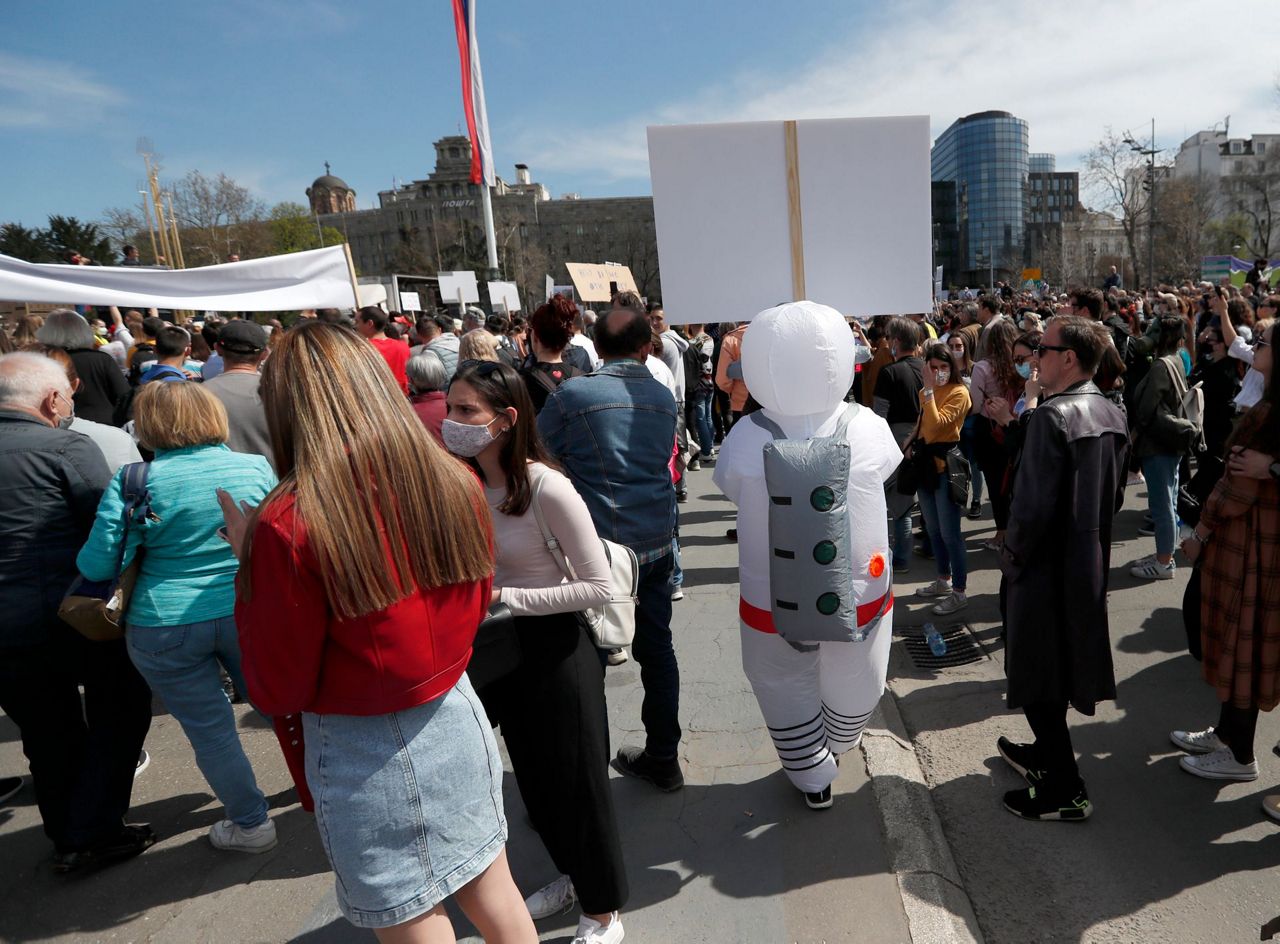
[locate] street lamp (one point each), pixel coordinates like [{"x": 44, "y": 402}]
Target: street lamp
[{"x": 1150, "y": 153}]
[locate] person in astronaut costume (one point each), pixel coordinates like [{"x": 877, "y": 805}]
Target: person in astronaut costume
[{"x": 816, "y": 698}]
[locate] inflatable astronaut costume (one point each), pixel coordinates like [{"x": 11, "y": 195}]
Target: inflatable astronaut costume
[{"x": 807, "y": 473}]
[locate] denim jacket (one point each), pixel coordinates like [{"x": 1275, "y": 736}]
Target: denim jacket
[
  {"x": 613, "y": 432},
  {"x": 52, "y": 480}
]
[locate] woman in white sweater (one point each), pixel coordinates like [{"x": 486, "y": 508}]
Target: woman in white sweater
[{"x": 551, "y": 709}]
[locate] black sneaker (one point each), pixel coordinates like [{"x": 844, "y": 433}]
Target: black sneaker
[
  {"x": 820, "y": 800},
  {"x": 663, "y": 774},
  {"x": 134, "y": 839},
  {"x": 9, "y": 786},
  {"x": 975, "y": 510},
  {"x": 682, "y": 496},
  {"x": 1042, "y": 804},
  {"x": 1022, "y": 758}
]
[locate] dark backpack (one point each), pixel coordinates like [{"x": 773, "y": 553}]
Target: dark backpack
[{"x": 542, "y": 380}]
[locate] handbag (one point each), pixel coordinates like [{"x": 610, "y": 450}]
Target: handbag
[
  {"x": 957, "y": 476},
  {"x": 495, "y": 652},
  {"x": 613, "y": 625},
  {"x": 96, "y": 608}
]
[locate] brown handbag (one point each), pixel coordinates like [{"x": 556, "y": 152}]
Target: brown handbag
[{"x": 96, "y": 608}]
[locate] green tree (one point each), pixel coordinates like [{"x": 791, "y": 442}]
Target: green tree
[
  {"x": 67, "y": 234},
  {"x": 29, "y": 245},
  {"x": 293, "y": 229}
]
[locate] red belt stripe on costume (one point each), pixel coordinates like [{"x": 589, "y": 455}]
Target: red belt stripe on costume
[{"x": 762, "y": 620}]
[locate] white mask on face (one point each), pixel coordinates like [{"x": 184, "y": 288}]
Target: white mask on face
[{"x": 465, "y": 439}]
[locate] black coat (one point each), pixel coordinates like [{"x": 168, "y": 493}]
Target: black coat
[
  {"x": 102, "y": 385},
  {"x": 1067, "y": 487}
]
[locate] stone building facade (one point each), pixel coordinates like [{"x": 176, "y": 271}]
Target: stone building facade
[
  {"x": 436, "y": 224},
  {"x": 329, "y": 194}
]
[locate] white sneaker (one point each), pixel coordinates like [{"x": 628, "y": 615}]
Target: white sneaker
[
  {"x": 1197, "y": 742},
  {"x": 939, "y": 588},
  {"x": 1220, "y": 765},
  {"x": 227, "y": 835},
  {"x": 1154, "y": 570},
  {"x": 553, "y": 899},
  {"x": 593, "y": 932},
  {"x": 954, "y": 602},
  {"x": 617, "y": 657},
  {"x": 677, "y": 594}
]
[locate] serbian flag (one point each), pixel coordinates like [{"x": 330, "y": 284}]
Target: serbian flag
[{"x": 464, "y": 19}]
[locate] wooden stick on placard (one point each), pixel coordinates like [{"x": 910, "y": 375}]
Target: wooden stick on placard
[
  {"x": 351, "y": 271},
  {"x": 793, "y": 210}
]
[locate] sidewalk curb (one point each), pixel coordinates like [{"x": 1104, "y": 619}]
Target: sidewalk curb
[{"x": 933, "y": 896}]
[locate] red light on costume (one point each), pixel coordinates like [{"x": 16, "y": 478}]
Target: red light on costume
[{"x": 876, "y": 565}]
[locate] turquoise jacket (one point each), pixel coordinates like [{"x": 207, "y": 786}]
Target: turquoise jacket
[{"x": 188, "y": 573}]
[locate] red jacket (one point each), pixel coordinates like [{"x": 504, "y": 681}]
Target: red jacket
[{"x": 298, "y": 655}]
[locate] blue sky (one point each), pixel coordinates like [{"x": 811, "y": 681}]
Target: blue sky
[{"x": 267, "y": 90}]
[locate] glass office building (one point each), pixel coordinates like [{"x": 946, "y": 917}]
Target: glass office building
[{"x": 987, "y": 157}]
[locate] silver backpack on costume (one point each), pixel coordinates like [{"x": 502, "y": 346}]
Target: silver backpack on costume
[{"x": 810, "y": 557}]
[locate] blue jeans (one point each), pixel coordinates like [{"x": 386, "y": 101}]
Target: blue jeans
[
  {"x": 942, "y": 521},
  {"x": 677, "y": 572},
  {"x": 1161, "y": 473},
  {"x": 702, "y": 419},
  {"x": 659, "y": 673},
  {"x": 902, "y": 540},
  {"x": 180, "y": 663}
]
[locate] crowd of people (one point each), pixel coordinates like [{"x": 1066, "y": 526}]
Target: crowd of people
[{"x": 384, "y": 536}]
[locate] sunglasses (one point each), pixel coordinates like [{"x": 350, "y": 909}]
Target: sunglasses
[{"x": 1041, "y": 348}]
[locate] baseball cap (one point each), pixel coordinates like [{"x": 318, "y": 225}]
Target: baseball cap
[{"x": 242, "y": 337}]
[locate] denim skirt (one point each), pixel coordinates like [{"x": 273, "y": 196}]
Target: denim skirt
[{"x": 409, "y": 804}]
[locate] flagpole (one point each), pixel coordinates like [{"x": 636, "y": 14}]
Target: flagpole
[{"x": 487, "y": 203}]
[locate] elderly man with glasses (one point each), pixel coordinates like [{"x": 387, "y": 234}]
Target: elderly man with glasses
[{"x": 1056, "y": 557}]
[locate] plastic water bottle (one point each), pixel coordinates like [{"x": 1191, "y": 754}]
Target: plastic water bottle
[{"x": 937, "y": 645}]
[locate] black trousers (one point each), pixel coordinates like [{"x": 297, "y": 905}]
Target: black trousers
[
  {"x": 82, "y": 754},
  {"x": 993, "y": 460},
  {"x": 1054, "y": 751},
  {"x": 551, "y": 711}
]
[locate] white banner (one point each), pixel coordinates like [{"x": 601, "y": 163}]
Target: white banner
[
  {"x": 318, "y": 278},
  {"x": 409, "y": 301}
]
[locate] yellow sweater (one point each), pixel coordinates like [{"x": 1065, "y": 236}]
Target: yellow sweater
[{"x": 942, "y": 415}]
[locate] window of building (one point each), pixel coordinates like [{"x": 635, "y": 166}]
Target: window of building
[
  {"x": 457, "y": 190},
  {"x": 453, "y": 152},
  {"x": 1236, "y": 147},
  {"x": 1260, "y": 148}
]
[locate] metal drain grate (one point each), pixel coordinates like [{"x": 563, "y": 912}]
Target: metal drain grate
[{"x": 962, "y": 648}]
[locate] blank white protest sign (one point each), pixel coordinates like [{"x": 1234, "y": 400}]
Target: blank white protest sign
[
  {"x": 459, "y": 287},
  {"x": 720, "y": 205}
]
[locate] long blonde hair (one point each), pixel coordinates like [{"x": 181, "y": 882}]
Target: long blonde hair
[{"x": 386, "y": 509}]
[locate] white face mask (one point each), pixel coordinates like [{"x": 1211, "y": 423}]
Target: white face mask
[{"x": 464, "y": 439}]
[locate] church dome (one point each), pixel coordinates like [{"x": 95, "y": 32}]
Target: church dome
[{"x": 330, "y": 182}]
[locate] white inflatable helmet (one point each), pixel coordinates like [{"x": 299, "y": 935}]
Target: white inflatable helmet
[{"x": 798, "y": 358}]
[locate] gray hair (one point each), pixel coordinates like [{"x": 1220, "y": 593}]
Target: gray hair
[
  {"x": 472, "y": 318},
  {"x": 27, "y": 378},
  {"x": 65, "y": 329},
  {"x": 425, "y": 372}
]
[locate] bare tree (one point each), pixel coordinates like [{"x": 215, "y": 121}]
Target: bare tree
[
  {"x": 124, "y": 227},
  {"x": 638, "y": 248},
  {"x": 1184, "y": 208},
  {"x": 217, "y": 217},
  {"x": 1116, "y": 173}
]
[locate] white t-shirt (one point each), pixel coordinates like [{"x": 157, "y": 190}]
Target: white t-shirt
[
  {"x": 1254, "y": 384},
  {"x": 740, "y": 475},
  {"x": 662, "y": 373}
]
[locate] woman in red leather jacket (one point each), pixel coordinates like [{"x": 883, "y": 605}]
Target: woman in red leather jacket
[{"x": 364, "y": 576}]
